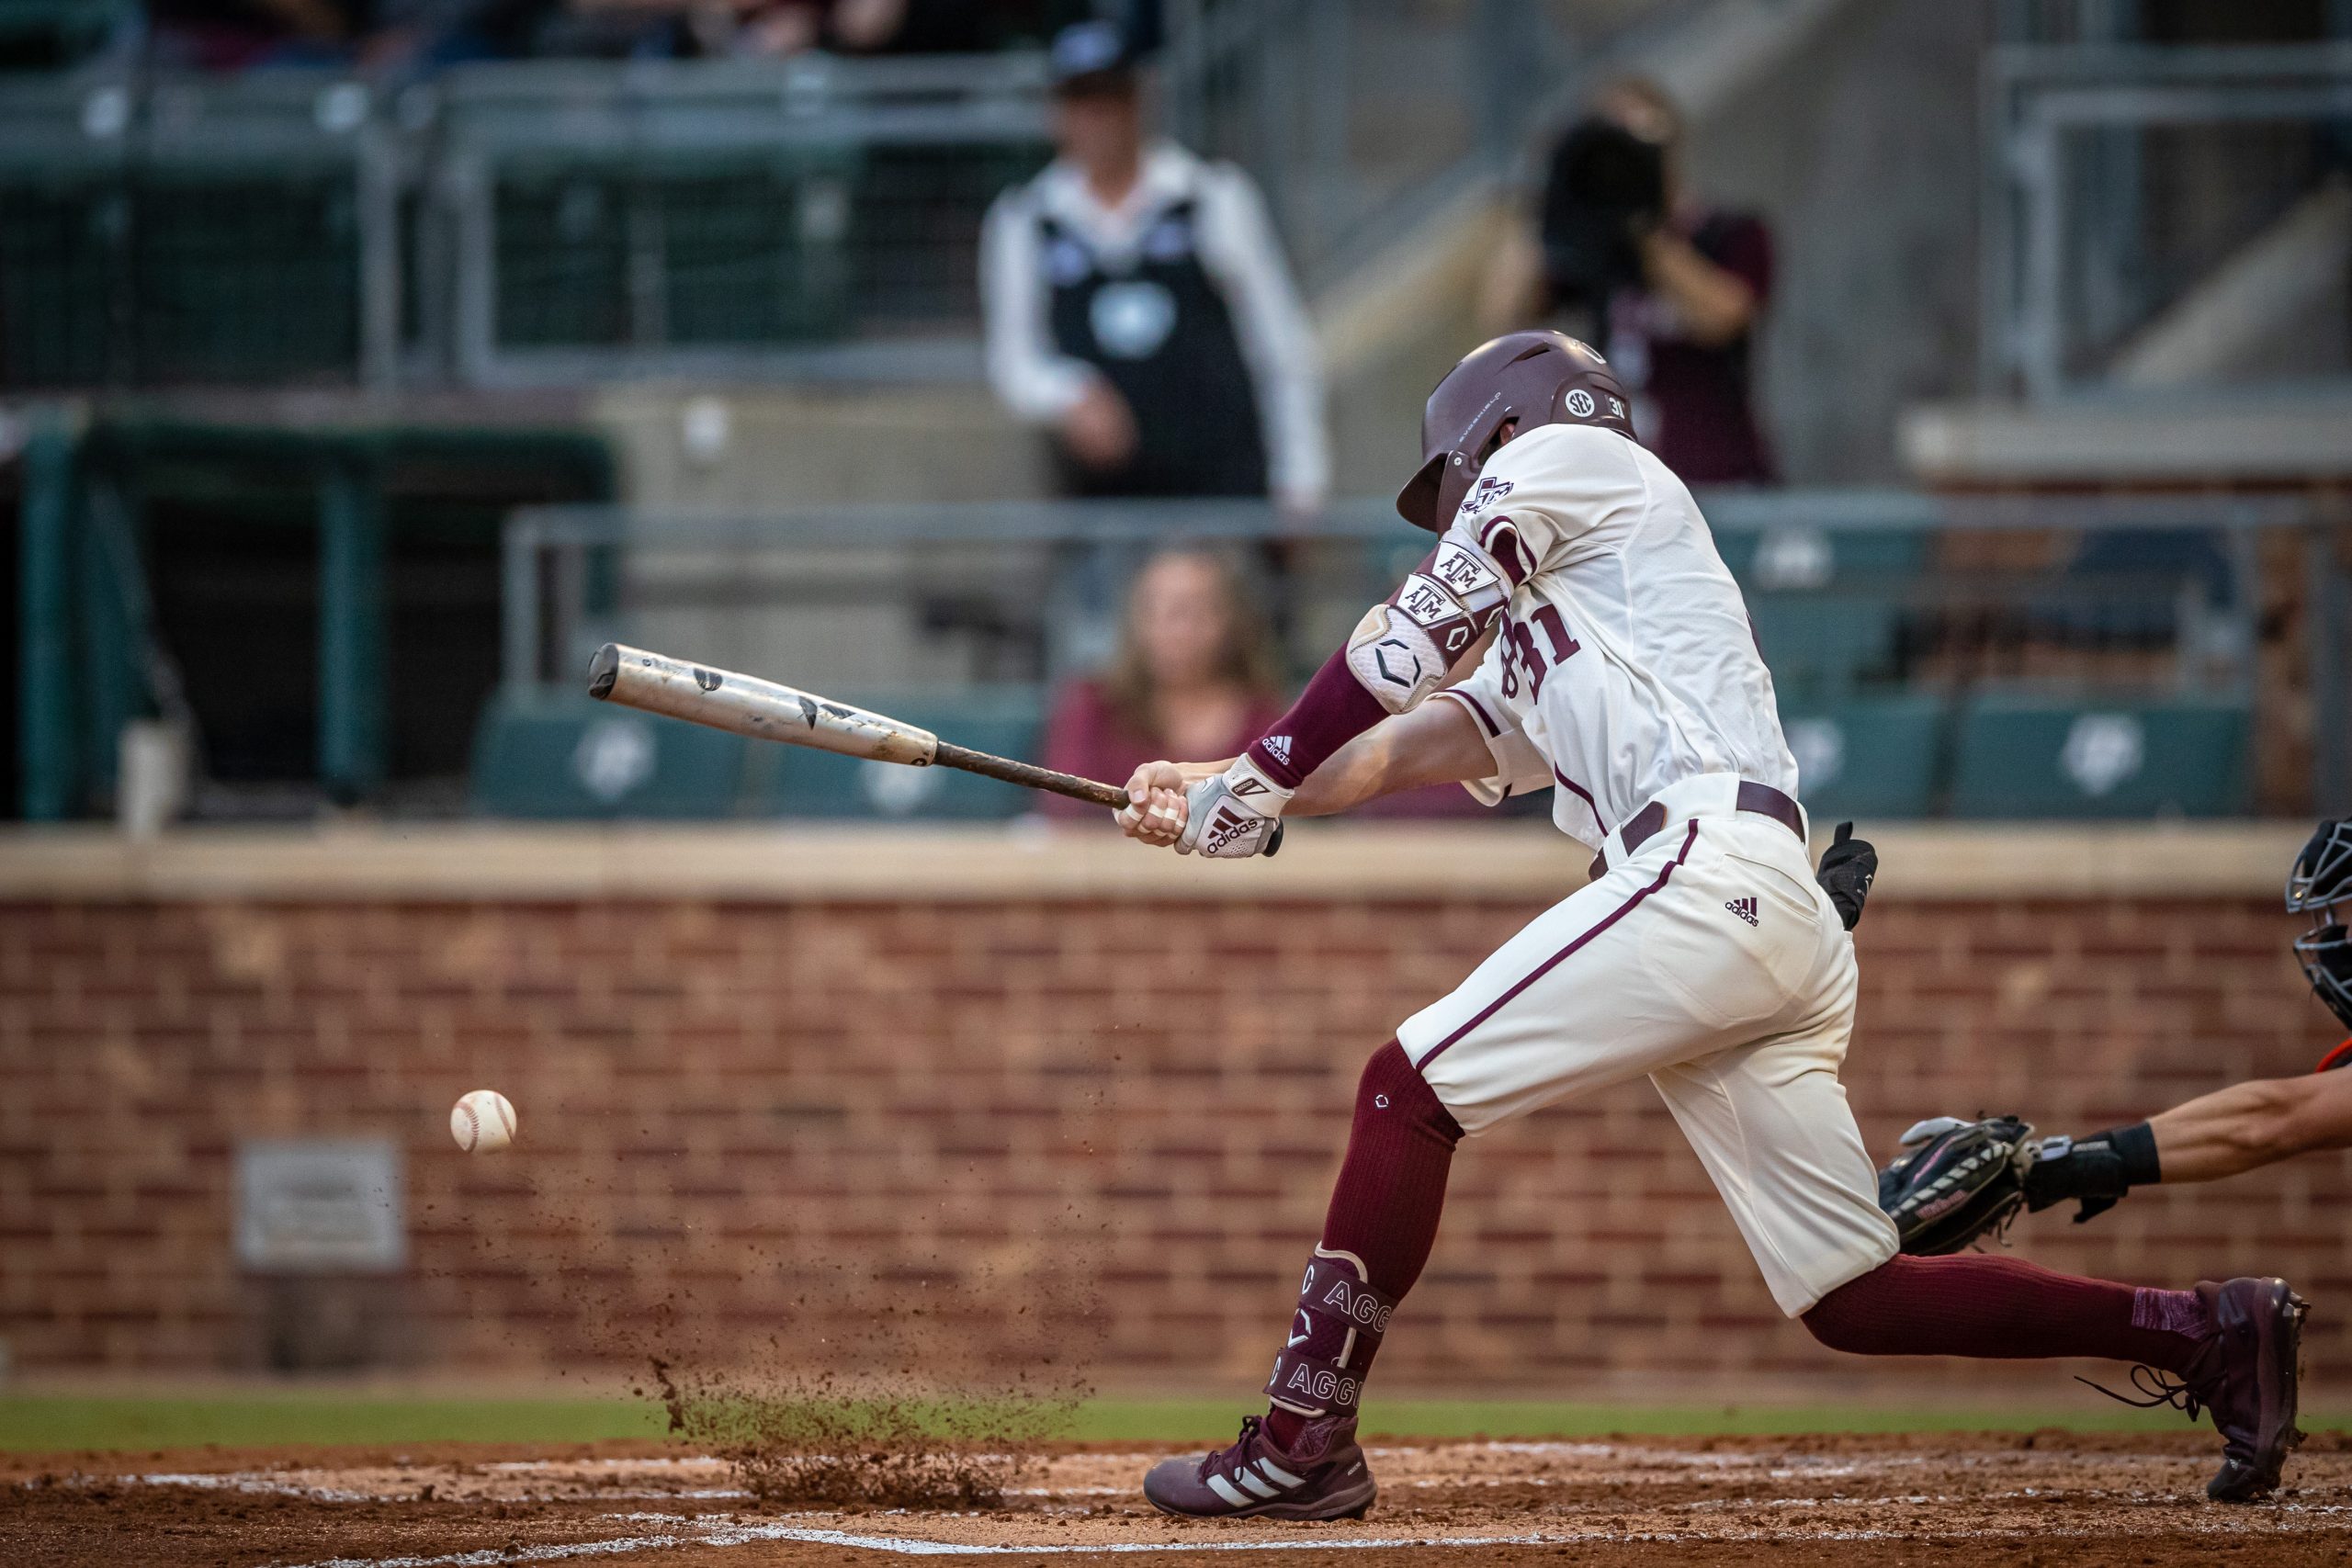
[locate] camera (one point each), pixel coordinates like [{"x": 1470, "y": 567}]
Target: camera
[{"x": 1605, "y": 188}]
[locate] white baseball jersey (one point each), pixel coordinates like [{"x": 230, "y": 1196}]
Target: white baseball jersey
[
  {"x": 1626, "y": 662},
  {"x": 1705, "y": 958}
]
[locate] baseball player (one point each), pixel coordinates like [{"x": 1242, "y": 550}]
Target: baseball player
[
  {"x": 1622, "y": 675},
  {"x": 1960, "y": 1180}
]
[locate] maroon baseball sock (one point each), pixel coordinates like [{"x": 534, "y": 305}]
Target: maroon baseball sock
[
  {"x": 1971, "y": 1304},
  {"x": 1378, "y": 1232}
]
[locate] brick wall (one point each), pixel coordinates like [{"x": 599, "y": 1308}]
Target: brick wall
[{"x": 748, "y": 1127}]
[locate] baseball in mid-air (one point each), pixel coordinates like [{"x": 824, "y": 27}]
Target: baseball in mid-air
[{"x": 482, "y": 1123}]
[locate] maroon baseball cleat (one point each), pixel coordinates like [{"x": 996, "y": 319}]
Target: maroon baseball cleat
[
  {"x": 1323, "y": 1478},
  {"x": 2246, "y": 1375},
  {"x": 2247, "y": 1378}
]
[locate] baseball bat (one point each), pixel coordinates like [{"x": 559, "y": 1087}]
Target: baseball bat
[{"x": 768, "y": 710}]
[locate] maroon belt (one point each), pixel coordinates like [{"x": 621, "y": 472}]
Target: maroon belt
[{"x": 1762, "y": 799}]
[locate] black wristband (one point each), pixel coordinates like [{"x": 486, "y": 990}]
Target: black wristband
[
  {"x": 2097, "y": 1171},
  {"x": 2136, "y": 1146}
]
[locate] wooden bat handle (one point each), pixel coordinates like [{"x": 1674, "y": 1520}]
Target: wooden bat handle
[
  {"x": 1035, "y": 777},
  {"x": 1029, "y": 776}
]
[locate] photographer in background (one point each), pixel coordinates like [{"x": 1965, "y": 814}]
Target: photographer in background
[{"x": 1669, "y": 288}]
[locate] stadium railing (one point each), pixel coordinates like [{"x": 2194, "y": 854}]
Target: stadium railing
[
  {"x": 179, "y": 230},
  {"x": 2119, "y": 176},
  {"x": 721, "y": 218},
  {"x": 540, "y": 223},
  {"x": 1933, "y": 656}
]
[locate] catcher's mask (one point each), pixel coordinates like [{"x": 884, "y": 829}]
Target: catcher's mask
[
  {"x": 1540, "y": 377},
  {"x": 2321, "y": 887}
]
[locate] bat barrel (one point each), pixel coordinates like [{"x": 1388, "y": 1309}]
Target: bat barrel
[
  {"x": 603, "y": 670},
  {"x": 765, "y": 710},
  {"x": 745, "y": 705}
]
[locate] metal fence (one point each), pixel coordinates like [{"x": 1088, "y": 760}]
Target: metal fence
[
  {"x": 1934, "y": 656},
  {"x": 2117, "y": 177},
  {"x": 504, "y": 225},
  {"x": 543, "y": 222},
  {"x": 1409, "y": 98},
  {"x": 189, "y": 230},
  {"x": 721, "y": 218}
]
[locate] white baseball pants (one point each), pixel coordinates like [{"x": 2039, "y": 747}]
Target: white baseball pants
[{"x": 1710, "y": 960}]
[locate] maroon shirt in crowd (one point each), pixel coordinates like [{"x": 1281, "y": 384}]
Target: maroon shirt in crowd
[
  {"x": 1693, "y": 405},
  {"x": 1086, "y": 736}
]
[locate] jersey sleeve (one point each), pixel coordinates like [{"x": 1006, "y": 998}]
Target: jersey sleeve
[
  {"x": 1549, "y": 489},
  {"x": 1520, "y": 768}
]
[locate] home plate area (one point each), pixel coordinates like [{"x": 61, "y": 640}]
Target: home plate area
[{"x": 2059, "y": 1498}]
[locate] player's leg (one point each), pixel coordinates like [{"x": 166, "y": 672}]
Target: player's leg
[
  {"x": 1770, "y": 1123},
  {"x": 2232, "y": 1348},
  {"x": 1300, "y": 1460},
  {"x": 1560, "y": 1008}
]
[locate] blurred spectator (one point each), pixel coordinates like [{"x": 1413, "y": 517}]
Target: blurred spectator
[
  {"x": 232, "y": 34},
  {"x": 1667, "y": 287},
  {"x": 1138, "y": 303},
  {"x": 957, "y": 26},
  {"x": 1193, "y": 676},
  {"x": 775, "y": 28},
  {"x": 426, "y": 33}
]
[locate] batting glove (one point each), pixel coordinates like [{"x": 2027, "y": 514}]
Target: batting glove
[
  {"x": 1234, "y": 815},
  {"x": 1848, "y": 867}
]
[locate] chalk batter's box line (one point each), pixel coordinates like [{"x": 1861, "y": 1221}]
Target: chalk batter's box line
[{"x": 902, "y": 1546}]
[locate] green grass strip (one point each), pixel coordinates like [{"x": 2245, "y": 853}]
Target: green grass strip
[
  {"x": 60, "y": 1424},
  {"x": 47, "y": 1424}
]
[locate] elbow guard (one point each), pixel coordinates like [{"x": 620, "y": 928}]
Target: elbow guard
[{"x": 1401, "y": 650}]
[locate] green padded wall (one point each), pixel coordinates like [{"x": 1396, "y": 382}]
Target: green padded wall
[
  {"x": 565, "y": 756},
  {"x": 2025, "y": 757}
]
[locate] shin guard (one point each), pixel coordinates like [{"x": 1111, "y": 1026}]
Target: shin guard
[{"x": 1333, "y": 1336}]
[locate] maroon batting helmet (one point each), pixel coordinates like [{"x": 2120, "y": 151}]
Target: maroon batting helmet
[{"x": 1541, "y": 377}]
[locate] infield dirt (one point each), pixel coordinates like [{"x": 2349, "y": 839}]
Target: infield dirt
[{"x": 2055, "y": 1498}]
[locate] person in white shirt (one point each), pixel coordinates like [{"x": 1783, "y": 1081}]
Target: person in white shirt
[
  {"x": 1138, "y": 306},
  {"x": 1619, "y": 670}
]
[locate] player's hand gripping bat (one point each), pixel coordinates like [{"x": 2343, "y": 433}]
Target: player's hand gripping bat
[{"x": 766, "y": 710}]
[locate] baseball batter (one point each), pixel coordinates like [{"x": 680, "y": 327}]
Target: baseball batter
[{"x": 1624, "y": 676}]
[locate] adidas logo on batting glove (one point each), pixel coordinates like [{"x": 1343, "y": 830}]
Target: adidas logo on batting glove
[{"x": 1232, "y": 816}]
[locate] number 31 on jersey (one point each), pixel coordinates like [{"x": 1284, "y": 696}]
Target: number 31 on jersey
[{"x": 1523, "y": 658}]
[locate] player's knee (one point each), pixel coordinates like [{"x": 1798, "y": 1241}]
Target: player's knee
[
  {"x": 1834, "y": 1324},
  {"x": 1391, "y": 1085},
  {"x": 1854, "y": 1317}
]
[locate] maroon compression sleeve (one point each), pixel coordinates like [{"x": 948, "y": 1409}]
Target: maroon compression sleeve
[
  {"x": 1977, "y": 1304},
  {"x": 1332, "y": 711}
]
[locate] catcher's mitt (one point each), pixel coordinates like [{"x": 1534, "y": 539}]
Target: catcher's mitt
[{"x": 1956, "y": 1181}]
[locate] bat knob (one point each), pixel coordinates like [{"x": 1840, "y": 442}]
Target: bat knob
[
  {"x": 603, "y": 668},
  {"x": 1275, "y": 839}
]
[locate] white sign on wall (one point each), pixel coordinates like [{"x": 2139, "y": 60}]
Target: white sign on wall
[{"x": 316, "y": 1206}]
